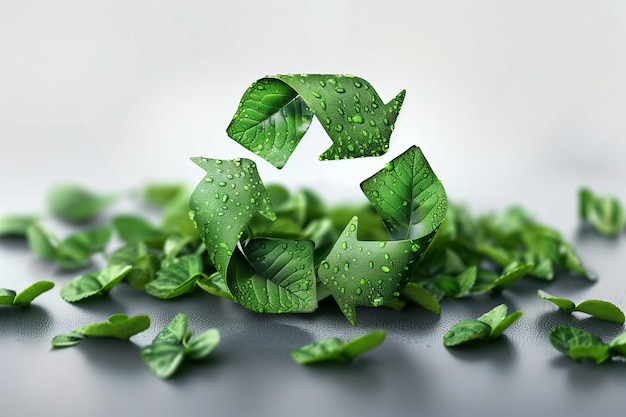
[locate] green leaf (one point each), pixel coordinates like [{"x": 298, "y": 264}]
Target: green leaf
[
  {"x": 75, "y": 203},
  {"x": 597, "y": 354},
  {"x": 118, "y": 326},
  {"x": 174, "y": 332},
  {"x": 202, "y": 345},
  {"x": 163, "y": 358},
  {"x": 466, "y": 331},
  {"x": 494, "y": 316},
  {"x": 170, "y": 347},
  {"x": 41, "y": 242},
  {"x": 28, "y": 294},
  {"x": 576, "y": 343},
  {"x": 407, "y": 195},
  {"x": 618, "y": 345},
  {"x": 15, "y": 225},
  {"x": 486, "y": 327},
  {"x": 214, "y": 284},
  {"x": 604, "y": 213},
  {"x": 549, "y": 243},
  {"x": 161, "y": 194},
  {"x": 563, "y": 303},
  {"x": 421, "y": 296},
  {"x": 7, "y": 296},
  {"x": 132, "y": 229},
  {"x": 83, "y": 244},
  {"x": 67, "y": 339},
  {"x": 93, "y": 283},
  {"x": 176, "y": 278},
  {"x": 602, "y": 310},
  {"x": 334, "y": 350},
  {"x": 276, "y": 111},
  {"x": 563, "y": 338},
  {"x": 271, "y": 120},
  {"x": 503, "y": 324},
  {"x": 276, "y": 276},
  {"x": 145, "y": 262}
]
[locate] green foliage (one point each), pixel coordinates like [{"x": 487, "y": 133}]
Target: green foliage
[
  {"x": 118, "y": 326},
  {"x": 26, "y": 296},
  {"x": 75, "y": 203},
  {"x": 335, "y": 350},
  {"x": 15, "y": 225},
  {"x": 604, "y": 213},
  {"x": 94, "y": 283},
  {"x": 600, "y": 309},
  {"x": 72, "y": 253},
  {"x": 173, "y": 344},
  {"x": 486, "y": 327},
  {"x": 276, "y": 111},
  {"x": 581, "y": 345}
]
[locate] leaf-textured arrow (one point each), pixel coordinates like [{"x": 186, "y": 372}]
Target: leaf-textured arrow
[
  {"x": 412, "y": 202},
  {"x": 276, "y": 111},
  {"x": 264, "y": 275}
]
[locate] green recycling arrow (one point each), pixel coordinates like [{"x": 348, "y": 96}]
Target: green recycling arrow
[
  {"x": 265, "y": 275},
  {"x": 412, "y": 202},
  {"x": 276, "y": 111}
]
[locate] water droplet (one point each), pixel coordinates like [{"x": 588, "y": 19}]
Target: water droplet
[
  {"x": 316, "y": 94},
  {"x": 372, "y": 123},
  {"x": 221, "y": 184},
  {"x": 357, "y": 119},
  {"x": 352, "y": 227},
  {"x": 335, "y": 269},
  {"x": 340, "y": 111},
  {"x": 386, "y": 256},
  {"x": 395, "y": 294},
  {"x": 357, "y": 84},
  {"x": 384, "y": 268},
  {"x": 344, "y": 245},
  {"x": 340, "y": 90},
  {"x": 359, "y": 291},
  {"x": 381, "y": 244},
  {"x": 224, "y": 198},
  {"x": 371, "y": 265},
  {"x": 362, "y": 281},
  {"x": 208, "y": 179},
  {"x": 323, "y": 104},
  {"x": 386, "y": 121},
  {"x": 350, "y": 147},
  {"x": 322, "y": 83},
  {"x": 339, "y": 128},
  {"x": 346, "y": 266}
]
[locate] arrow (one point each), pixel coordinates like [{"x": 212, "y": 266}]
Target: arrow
[
  {"x": 368, "y": 273},
  {"x": 224, "y": 202},
  {"x": 264, "y": 275},
  {"x": 276, "y": 111}
]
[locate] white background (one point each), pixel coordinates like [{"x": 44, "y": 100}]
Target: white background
[{"x": 111, "y": 94}]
